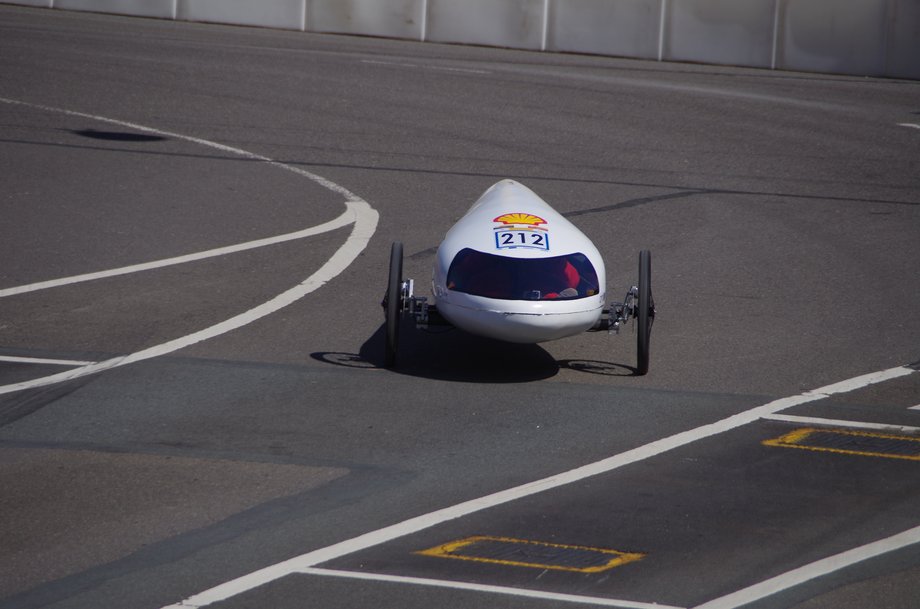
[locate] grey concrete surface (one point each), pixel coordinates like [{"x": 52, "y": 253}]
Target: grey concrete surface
[{"x": 782, "y": 211}]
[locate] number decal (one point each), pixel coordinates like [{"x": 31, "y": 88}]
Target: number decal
[{"x": 510, "y": 239}]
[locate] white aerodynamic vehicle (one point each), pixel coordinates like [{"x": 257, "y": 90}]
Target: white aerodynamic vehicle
[{"x": 516, "y": 270}]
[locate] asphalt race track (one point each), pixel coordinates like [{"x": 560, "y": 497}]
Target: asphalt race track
[{"x": 196, "y": 223}]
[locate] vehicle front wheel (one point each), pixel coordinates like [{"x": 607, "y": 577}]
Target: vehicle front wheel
[
  {"x": 645, "y": 314},
  {"x": 393, "y": 307}
]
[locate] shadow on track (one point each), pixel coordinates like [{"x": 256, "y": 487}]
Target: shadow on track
[
  {"x": 454, "y": 355},
  {"x": 118, "y": 136}
]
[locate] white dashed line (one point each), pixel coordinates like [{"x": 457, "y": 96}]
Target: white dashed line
[
  {"x": 396, "y": 64},
  {"x": 378, "y": 62},
  {"x": 306, "y": 562},
  {"x": 358, "y": 212},
  {"x": 911, "y": 125}
]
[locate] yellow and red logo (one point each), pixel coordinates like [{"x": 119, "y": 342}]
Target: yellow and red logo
[{"x": 520, "y": 219}]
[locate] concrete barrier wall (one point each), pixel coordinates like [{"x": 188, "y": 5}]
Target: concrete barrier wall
[
  {"x": 903, "y": 50},
  {"x": 163, "y": 9},
  {"x": 511, "y": 23},
  {"x": 283, "y": 14},
  {"x": 386, "y": 18},
  {"x": 862, "y": 37},
  {"x": 720, "y": 31},
  {"x": 626, "y": 28}
]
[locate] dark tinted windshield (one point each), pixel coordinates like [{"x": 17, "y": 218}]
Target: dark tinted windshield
[{"x": 562, "y": 277}]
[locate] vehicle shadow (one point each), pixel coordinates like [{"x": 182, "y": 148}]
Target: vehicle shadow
[
  {"x": 590, "y": 366},
  {"x": 454, "y": 355}
]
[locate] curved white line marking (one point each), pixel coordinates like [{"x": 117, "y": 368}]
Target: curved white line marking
[
  {"x": 365, "y": 219},
  {"x": 358, "y": 212},
  {"x": 344, "y": 220},
  {"x": 309, "y": 560},
  {"x": 327, "y": 184}
]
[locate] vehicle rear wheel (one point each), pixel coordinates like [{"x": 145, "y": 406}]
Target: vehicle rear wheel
[
  {"x": 393, "y": 310},
  {"x": 645, "y": 315}
]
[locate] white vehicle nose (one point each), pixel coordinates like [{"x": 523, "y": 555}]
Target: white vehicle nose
[{"x": 521, "y": 327}]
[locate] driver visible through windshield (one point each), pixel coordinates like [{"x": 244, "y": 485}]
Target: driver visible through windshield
[{"x": 559, "y": 278}]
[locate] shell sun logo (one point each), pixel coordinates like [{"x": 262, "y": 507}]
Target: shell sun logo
[{"x": 520, "y": 218}]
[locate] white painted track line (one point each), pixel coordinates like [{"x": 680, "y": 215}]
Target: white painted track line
[
  {"x": 439, "y": 583},
  {"x": 305, "y": 562},
  {"x": 414, "y": 66},
  {"x": 365, "y": 222},
  {"x": 343, "y": 220},
  {"x": 862, "y": 381},
  {"x": 357, "y": 212},
  {"x": 791, "y": 418},
  {"x": 327, "y": 184},
  {"x": 41, "y": 360},
  {"x": 911, "y": 125},
  {"x": 814, "y": 570}
]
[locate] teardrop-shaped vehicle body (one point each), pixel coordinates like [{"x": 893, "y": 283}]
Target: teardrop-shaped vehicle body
[{"x": 515, "y": 269}]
